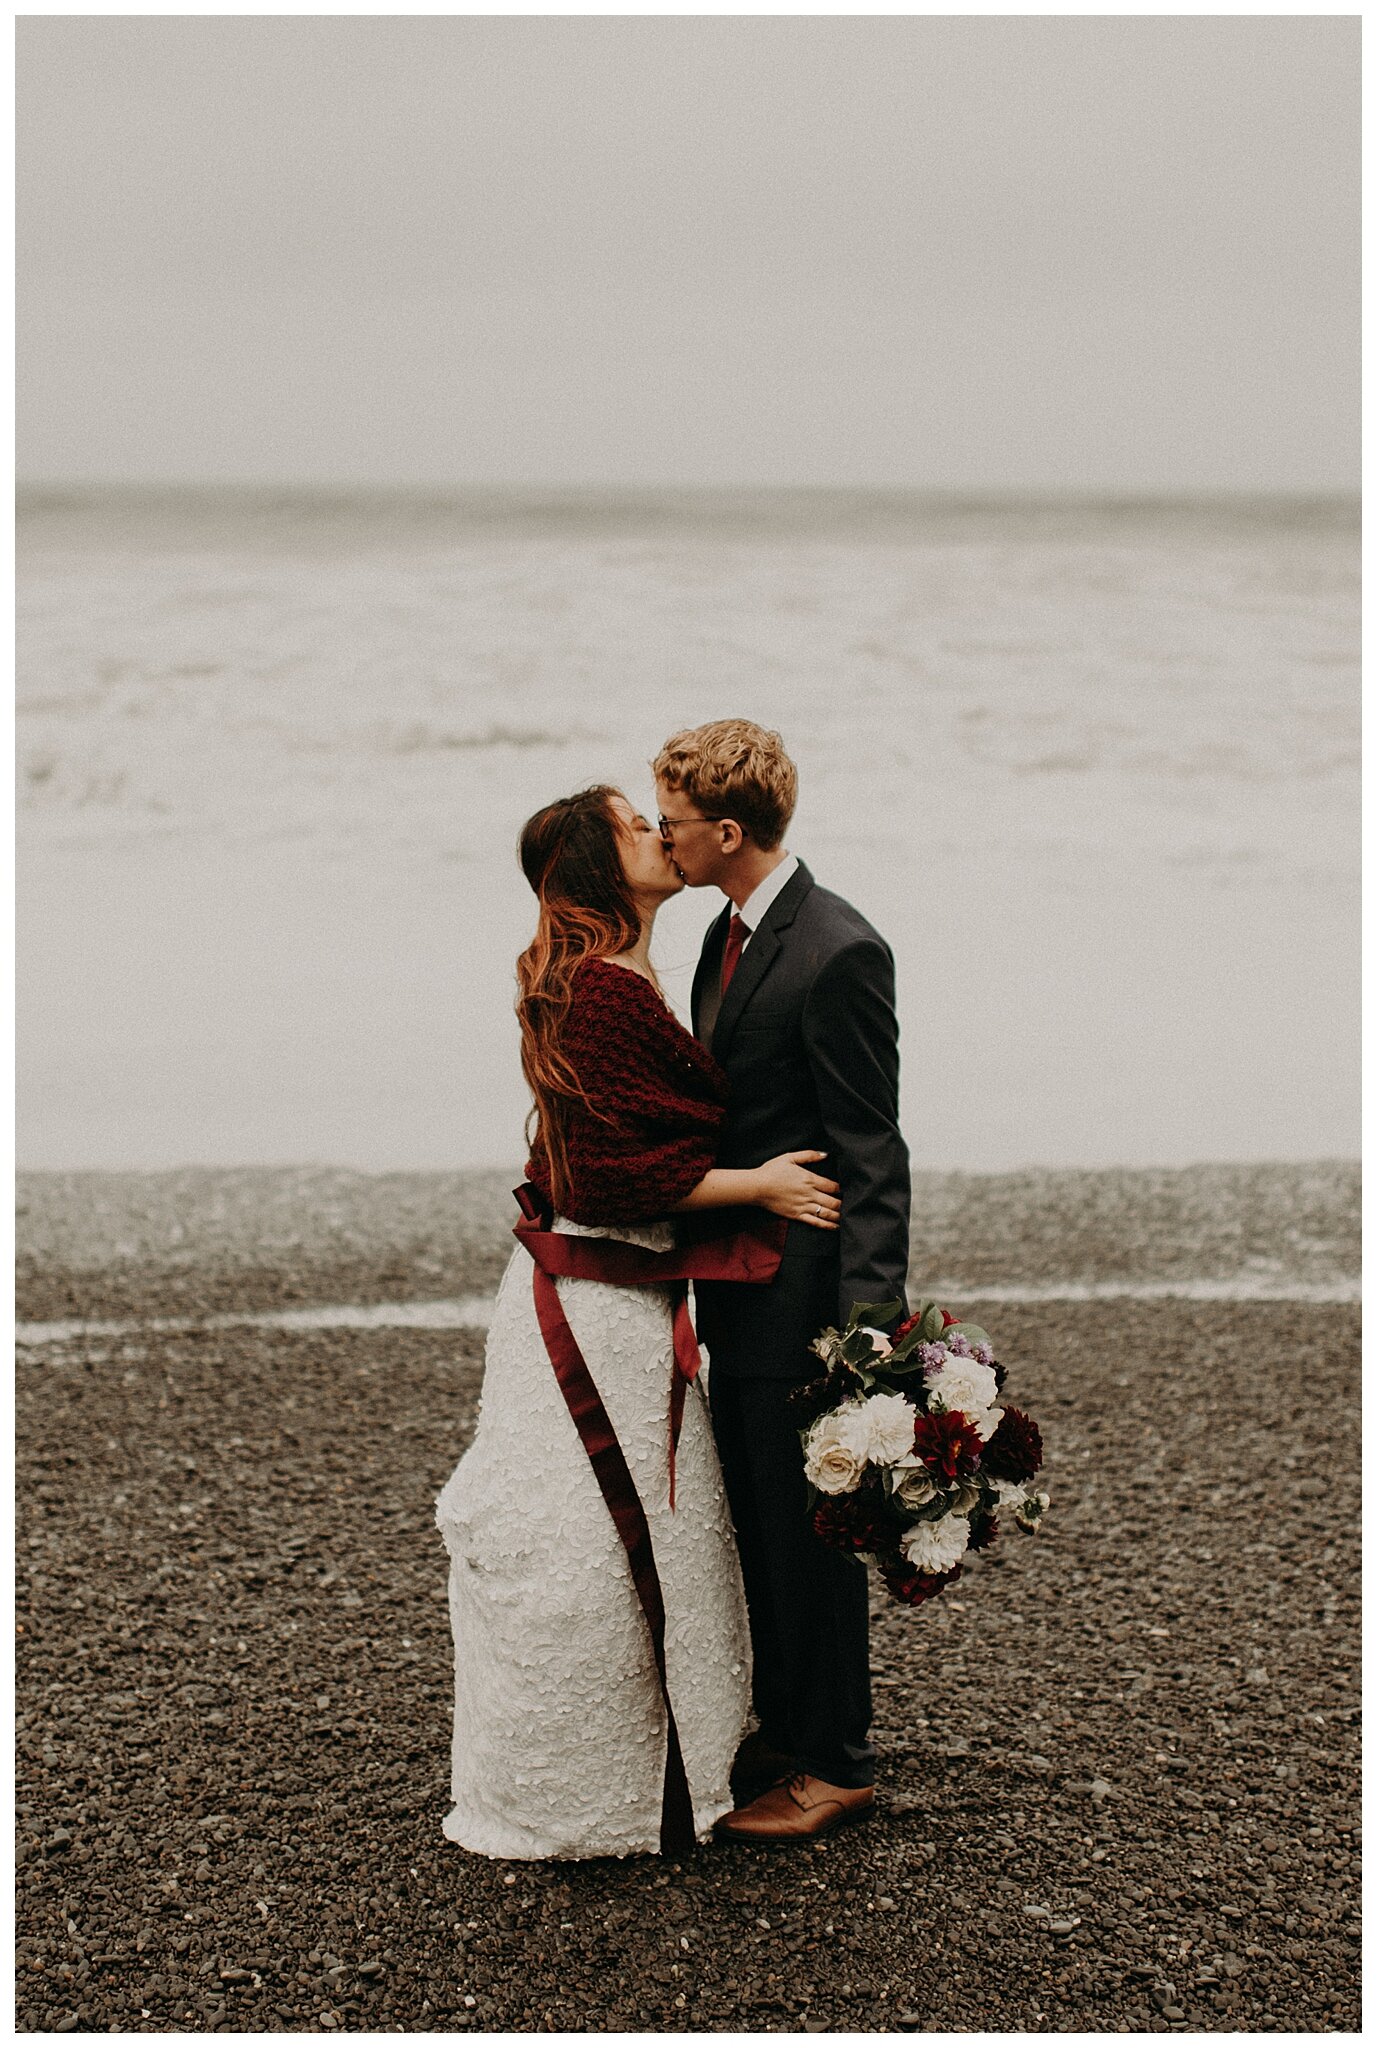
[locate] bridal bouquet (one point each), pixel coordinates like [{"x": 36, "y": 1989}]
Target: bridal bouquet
[{"x": 910, "y": 1456}]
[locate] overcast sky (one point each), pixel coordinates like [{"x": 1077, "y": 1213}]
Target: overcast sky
[{"x": 1067, "y": 252}]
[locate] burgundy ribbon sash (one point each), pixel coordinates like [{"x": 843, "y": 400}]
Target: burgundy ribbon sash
[{"x": 751, "y": 1255}]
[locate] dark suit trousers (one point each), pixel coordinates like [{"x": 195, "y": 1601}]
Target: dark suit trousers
[{"x": 809, "y": 1604}]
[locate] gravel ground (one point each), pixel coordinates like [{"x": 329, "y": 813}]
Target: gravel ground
[{"x": 1118, "y": 1788}]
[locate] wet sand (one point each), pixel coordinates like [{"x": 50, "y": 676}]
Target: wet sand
[
  {"x": 1119, "y": 1776},
  {"x": 202, "y": 1242}
]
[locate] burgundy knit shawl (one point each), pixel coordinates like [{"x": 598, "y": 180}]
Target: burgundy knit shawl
[{"x": 662, "y": 1100}]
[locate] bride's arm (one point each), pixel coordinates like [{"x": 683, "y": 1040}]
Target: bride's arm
[
  {"x": 784, "y": 1186},
  {"x": 646, "y": 1148}
]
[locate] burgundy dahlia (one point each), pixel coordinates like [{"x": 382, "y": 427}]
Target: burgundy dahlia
[
  {"x": 949, "y": 1445},
  {"x": 914, "y": 1587},
  {"x": 1015, "y": 1450},
  {"x": 855, "y": 1521},
  {"x": 813, "y": 1399},
  {"x": 984, "y": 1530}
]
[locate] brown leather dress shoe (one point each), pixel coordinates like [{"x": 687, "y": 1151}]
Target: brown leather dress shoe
[
  {"x": 797, "y": 1810},
  {"x": 758, "y": 1766}
]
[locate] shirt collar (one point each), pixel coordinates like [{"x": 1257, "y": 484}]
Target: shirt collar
[{"x": 764, "y": 894}]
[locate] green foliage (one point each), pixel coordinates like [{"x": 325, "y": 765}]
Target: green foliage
[
  {"x": 900, "y": 1361},
  {"x": 856, "y": 1347},
  {"x": 876, "y": 1313}
]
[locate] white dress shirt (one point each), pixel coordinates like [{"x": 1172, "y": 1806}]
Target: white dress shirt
[{"x": 764, "y": 894}]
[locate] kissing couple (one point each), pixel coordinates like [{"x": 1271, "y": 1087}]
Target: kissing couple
[{"x": 651, "y": 1645}]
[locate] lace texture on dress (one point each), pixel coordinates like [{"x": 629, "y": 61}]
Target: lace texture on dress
[{"x": 559, "y": 1727}]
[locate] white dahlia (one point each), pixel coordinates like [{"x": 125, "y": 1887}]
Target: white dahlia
[
  {"x": 968, "y": 1386},
  {"x": 882, "y": 1428},
  {"x": 936, "y": 1546}
]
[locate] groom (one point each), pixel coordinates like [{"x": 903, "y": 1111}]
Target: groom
[{"x": 794, "y": 996}]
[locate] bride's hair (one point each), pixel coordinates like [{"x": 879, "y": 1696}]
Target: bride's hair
[{"x": 571, "y": 855}]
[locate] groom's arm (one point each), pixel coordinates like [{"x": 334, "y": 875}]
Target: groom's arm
[{"x": 851, "y": 1032}]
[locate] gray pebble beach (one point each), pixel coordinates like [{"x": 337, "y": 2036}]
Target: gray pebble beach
[{"x": 1118, "y": 1788}]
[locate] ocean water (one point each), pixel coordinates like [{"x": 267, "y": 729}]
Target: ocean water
[{"x": 1093, "y": 771}]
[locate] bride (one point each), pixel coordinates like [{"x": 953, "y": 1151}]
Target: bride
[{"x": 601, "y": 1654}]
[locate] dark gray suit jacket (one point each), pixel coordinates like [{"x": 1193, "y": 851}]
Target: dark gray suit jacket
[{"x": 808, "y": 1035}]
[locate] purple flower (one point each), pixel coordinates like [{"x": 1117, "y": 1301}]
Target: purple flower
[
  {"x": 985, "y": 1354},
  {"x": 959, "y": 1346},
  {"x": 934, "y": 1357}
]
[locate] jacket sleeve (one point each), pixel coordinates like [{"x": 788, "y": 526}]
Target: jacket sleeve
[{"x": 851, "y": 1033}]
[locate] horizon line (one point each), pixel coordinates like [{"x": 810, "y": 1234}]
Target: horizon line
[{"x": 947, "y": 495}]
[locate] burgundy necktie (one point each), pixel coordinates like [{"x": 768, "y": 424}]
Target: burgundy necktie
[{"x": 731, "y": 952}]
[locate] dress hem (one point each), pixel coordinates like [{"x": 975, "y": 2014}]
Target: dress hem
[{"x": 488, "y": 1840}]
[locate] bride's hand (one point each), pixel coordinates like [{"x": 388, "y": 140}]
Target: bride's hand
[{"x": 786, "y": 1188}]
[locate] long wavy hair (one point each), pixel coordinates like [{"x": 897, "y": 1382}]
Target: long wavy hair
[{"x": 571, "y": 855}]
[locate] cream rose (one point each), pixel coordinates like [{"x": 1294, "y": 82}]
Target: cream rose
[
  {"x": 913, "y": 1488},
  {"x": 832, "y": 1461}
]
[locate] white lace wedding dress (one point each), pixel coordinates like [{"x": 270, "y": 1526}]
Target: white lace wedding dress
[{"x": 559, "y": 1723}]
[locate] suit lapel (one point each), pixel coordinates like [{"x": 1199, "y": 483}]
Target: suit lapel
[
  {"x": 707, "y": 978},
  {"x": 757, "y": 959}
]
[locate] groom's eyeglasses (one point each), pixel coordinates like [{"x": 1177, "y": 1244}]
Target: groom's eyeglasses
[{"x": 669, "y": 825}]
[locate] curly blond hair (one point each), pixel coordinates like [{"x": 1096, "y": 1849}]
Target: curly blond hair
[{"x": 733, "y": 769}]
